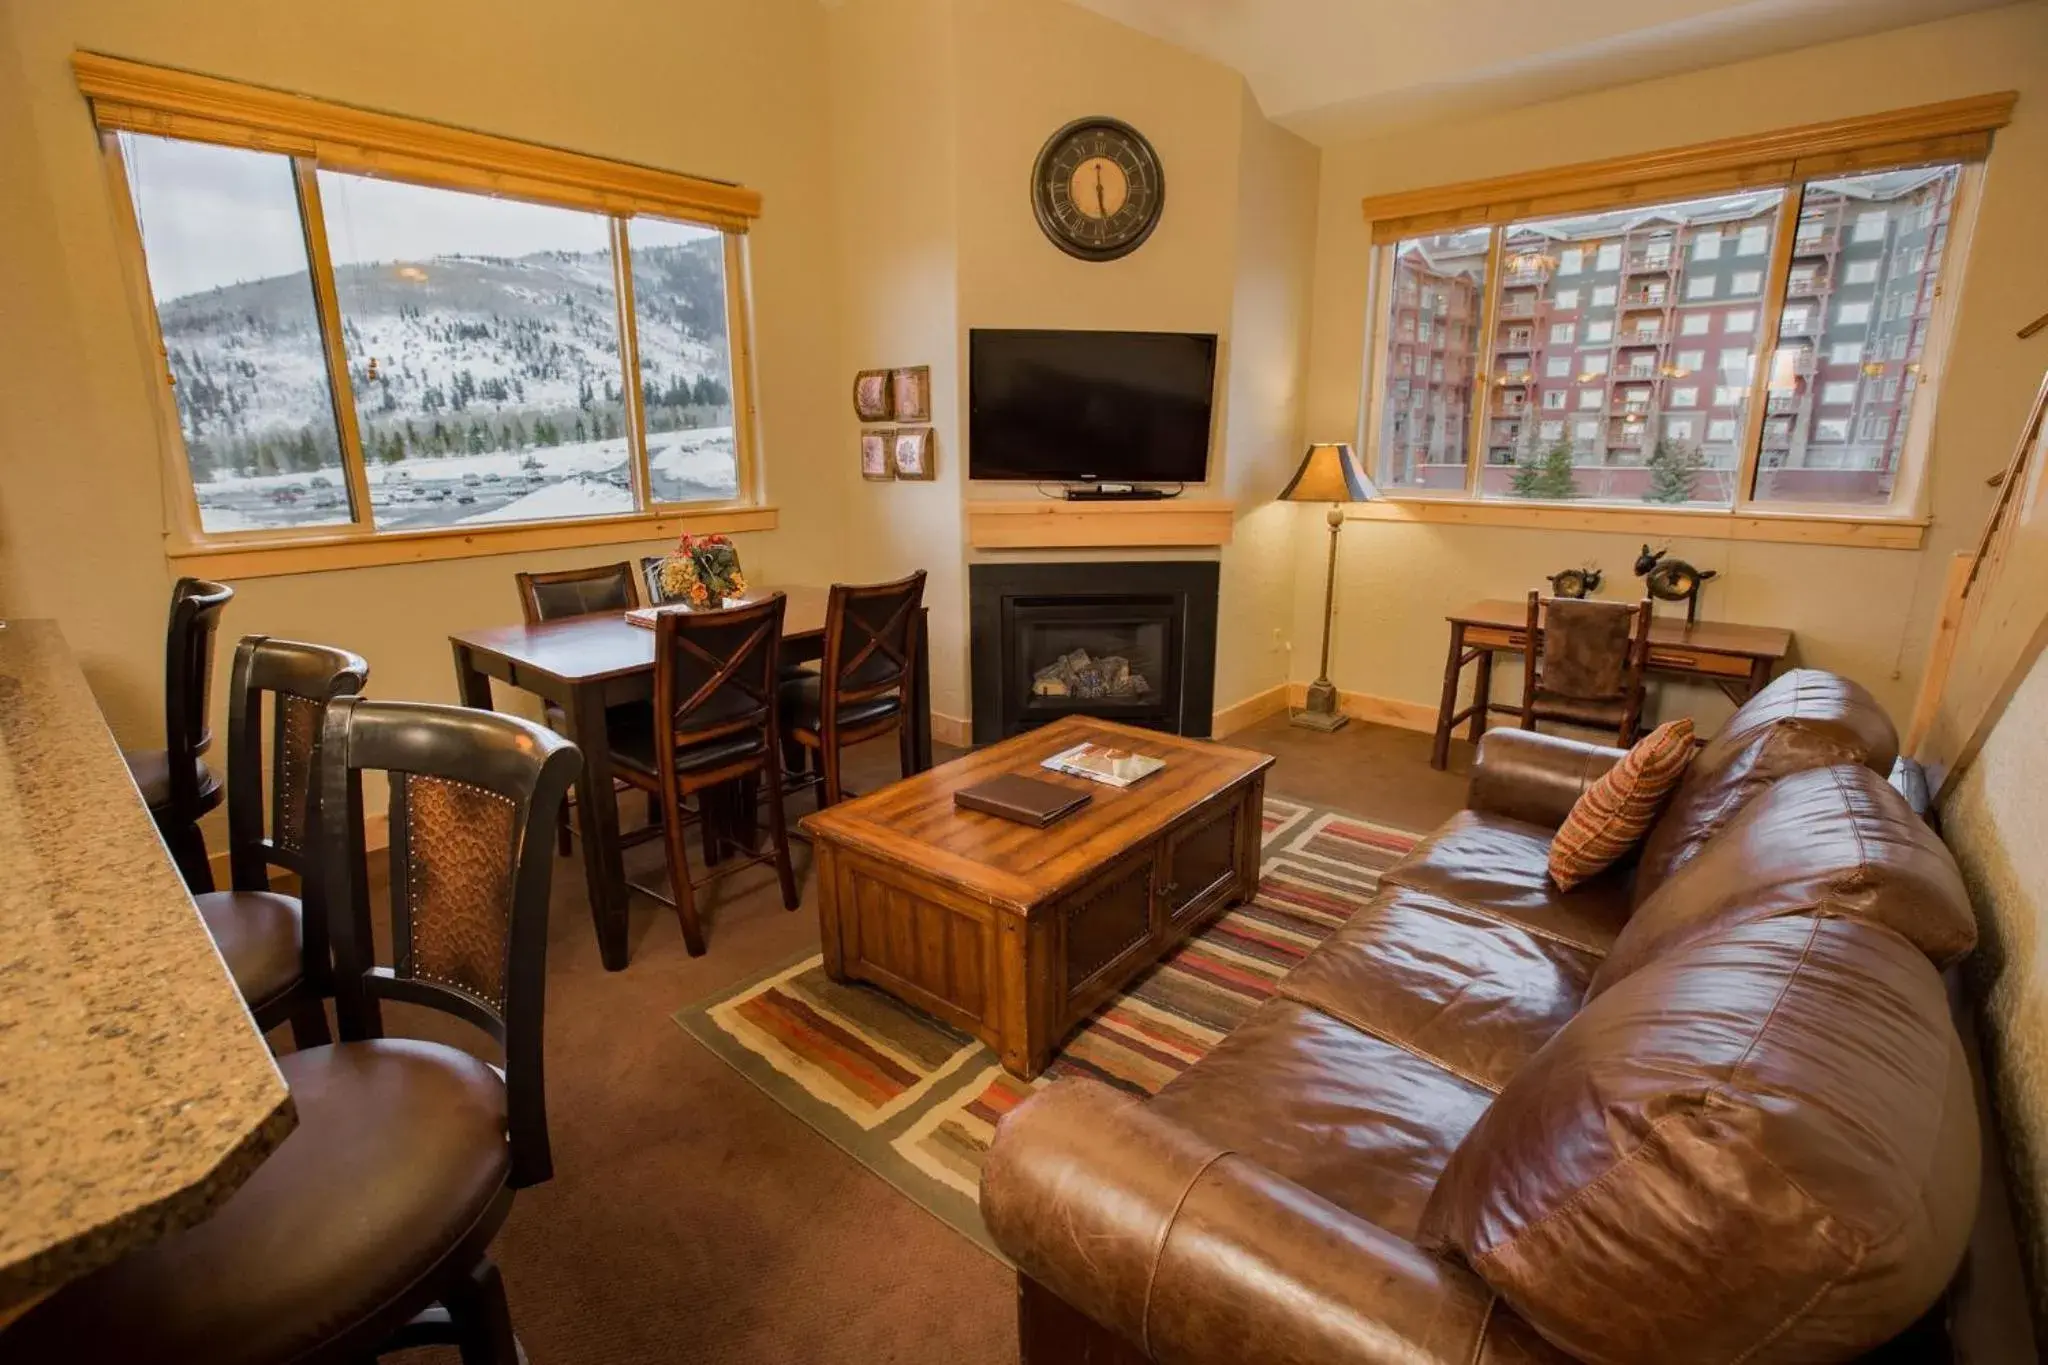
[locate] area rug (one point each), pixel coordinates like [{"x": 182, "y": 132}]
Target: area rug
[{"x": 916, "y": 1100}]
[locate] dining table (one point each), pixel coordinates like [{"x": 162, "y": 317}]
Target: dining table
[{"x": 587, "y": 664}]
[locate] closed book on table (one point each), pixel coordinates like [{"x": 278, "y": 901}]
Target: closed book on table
[{"x": 1027, "y": 800}]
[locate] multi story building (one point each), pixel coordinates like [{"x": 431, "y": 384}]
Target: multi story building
[{"x": 1432, "y": 344}]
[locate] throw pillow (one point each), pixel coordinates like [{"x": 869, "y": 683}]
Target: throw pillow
[{"x": 1611, "y": 816}]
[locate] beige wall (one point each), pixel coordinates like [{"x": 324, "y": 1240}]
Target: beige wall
[{"x": 1866, "y": 613}]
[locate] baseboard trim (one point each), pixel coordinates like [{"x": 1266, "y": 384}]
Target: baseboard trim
[
  {"x": 1395, "y": 711},
  {"x": 957, "y": 731},
  {"x": 376, "y": 835},
  {"x": 1249, "y": 712}
]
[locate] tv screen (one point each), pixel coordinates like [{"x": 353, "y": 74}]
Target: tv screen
[{"x": 1126, "y": 407}]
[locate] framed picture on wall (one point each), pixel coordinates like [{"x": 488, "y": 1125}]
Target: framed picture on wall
[
  {"x": 874, "y": 455},
  {"x": 873, "y": 396},
  {"x": 913, "y": 447},
  {"x": 912, "y": 390}
]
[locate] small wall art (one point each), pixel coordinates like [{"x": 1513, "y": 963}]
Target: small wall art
[
  {"x": 874, "y": 455},
  {"x": 913, "y": 448},
  {"x": 912, "y": 390},
  {"x": 873, "y": 396}
]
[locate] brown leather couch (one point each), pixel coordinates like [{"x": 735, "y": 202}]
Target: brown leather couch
[{"x": 1709, "y": 1106}]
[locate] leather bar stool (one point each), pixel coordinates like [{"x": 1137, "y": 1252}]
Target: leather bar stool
[
  {"x": 276, "y": 946},
  {"x": 175, "y": 782},
  {"x": 714, "y": 728},
  {"x": 862, "y": 681},
  {"x": 368, "y": 1229}
]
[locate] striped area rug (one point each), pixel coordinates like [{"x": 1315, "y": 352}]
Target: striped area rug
[{"x": 917, "y": 1100}]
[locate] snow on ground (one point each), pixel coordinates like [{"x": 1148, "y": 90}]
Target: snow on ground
[{"x": 574, "y": 498}]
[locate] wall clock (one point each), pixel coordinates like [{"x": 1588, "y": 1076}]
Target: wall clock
[{"x": 1097, "y": 189}]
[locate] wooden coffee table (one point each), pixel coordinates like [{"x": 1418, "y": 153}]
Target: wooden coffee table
[{"x": 1016, "y": 934}]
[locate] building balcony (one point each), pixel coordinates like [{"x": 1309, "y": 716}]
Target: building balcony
[
  {"x": 1511, "y": 405},
  {"x": 1516, "y": 378},
  {"x": 1644, "y": 298},
  {"x": 1654, "y": 336},
  {"x": 1806, "y": 284},
  {"x": 1516, "y": 342},
  {"x": 1650, "y": 262},
  {"x": 1626, "y": 439},
  {"x": 1778, "y": 438},
  {"x": 1782, "y": 402},
  {"x": 1518, "y": 308},
  {"x": 1800, "y": 325},
  {"x": 1816, "y": 242},
  {"x": 1525, "y": 275},
  {"x": 1636, "y": 374}
]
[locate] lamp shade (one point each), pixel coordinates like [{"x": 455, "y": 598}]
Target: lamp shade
[{"x": 1329, "y": 473}]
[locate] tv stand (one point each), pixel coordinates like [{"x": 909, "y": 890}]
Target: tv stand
[{"x": 1115, "y": 492}]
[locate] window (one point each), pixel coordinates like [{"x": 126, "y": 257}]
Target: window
[
  {"x": 1551, "y": 431},
  {"x": 1751, "y": 332},
  {"x": 1421, "y": 458},
  {"x": 350, "y": 353},
  {"x": 1831, "y": 429}
]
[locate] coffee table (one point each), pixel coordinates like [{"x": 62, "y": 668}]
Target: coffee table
[{"x": 1017, "y": 934}]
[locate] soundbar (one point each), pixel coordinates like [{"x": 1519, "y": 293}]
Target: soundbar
[{"x": 1116, "y": 492}]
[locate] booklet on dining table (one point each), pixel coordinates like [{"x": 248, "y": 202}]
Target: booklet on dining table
[{"x": 1102, "y": 763}]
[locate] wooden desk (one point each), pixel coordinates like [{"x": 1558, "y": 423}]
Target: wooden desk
[
  {"x": 135, "y": 1092},
  {"x": 1738, "y": 659},
  {"x": 586, "y": 663},
  {"x": 1017, "y": 934}
]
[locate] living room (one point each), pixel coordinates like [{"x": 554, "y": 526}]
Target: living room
[{"x": 874, "y": 163}]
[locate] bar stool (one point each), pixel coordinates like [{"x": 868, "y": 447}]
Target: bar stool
[
  {"x": 862, "y": 683},
  {"x": 368, "y": 1229},
  {"x": 174, "y": 781},
  {"x": 276, "y": 946}
]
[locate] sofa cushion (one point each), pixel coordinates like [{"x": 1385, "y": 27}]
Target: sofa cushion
[
  {"x": 1610, "y": 819},
  {"x": 1473, "y": 994},
  {"x": 1501, "y": 867},
  {"x": 1352, "y": 1118},
  {"x": 1805, "y": 719},
  {"x": 1830, "y": 841},
  {"x": 1761, "y": 1147}
]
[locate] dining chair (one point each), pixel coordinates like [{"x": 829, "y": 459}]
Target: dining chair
[
  {"x": 368, "y": 1229},
  {"x": 862, "y": 685},
  {"x": 275, "y": 945},
  {"x": 650, "y": 579},
  {"x": 600, "y": 589},
  {"x": 175, "y": 781},
  {"x": 715, "y": 727},
  {"x": 1589, "y": 669}
]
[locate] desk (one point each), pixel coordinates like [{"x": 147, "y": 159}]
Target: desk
[
  {"x": 1738, "y": 659},
  {"x": 584, "y": 664},
  {"x": 135, "y": 1092}
]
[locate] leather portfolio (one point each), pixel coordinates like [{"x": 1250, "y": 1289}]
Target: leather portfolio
[{"x": 1027, "y": 800}]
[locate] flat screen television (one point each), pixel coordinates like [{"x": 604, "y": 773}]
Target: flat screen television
[{"x": 1121, "y": 407}]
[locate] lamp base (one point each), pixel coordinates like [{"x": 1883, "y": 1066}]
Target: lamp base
[{"x": 1320, "y": 711}]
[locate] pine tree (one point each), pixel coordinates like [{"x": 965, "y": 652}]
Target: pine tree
[
  {"x": 1546, "y": 476},
  {"x": 1674, "y": 471}
]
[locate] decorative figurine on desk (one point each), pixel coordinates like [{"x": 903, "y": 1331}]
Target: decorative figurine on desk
[
  {"x": 1575, "y": 582},
  {"x": 1673, "y": 580}
]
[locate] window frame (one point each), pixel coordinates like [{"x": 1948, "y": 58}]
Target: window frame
[
  {"x": 1956, "y": 132},
  {"x": 313, "y": 135}
]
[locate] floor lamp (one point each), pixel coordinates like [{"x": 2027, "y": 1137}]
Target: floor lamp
[{"x": 1329, "y": 473}]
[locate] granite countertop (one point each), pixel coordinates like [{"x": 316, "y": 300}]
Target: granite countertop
[{"x": 135, "y": 1092}]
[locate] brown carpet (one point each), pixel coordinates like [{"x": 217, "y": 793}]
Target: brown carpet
[{"x": 691, "y": 1219}]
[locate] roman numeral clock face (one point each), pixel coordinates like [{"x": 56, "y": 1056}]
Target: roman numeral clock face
[{"x": 1097, "y": 189}]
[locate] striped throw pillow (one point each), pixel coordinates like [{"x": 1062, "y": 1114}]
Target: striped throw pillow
[{"x": 1613, "y": 814}]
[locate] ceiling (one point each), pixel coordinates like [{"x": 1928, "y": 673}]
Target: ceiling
[{"x": 1333, "y": 69}]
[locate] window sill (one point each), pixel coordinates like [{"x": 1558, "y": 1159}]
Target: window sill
[
  {"x": 322, "y": 553},
  {"x": 1870, "y": 532}
]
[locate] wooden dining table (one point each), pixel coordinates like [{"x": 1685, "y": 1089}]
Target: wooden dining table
[{"x": 584, "y": 664}]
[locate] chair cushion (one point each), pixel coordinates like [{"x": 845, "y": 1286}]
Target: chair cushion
[
  {"x": 632, "y": 743},
  {"x": 1611, "y": 816},
  {"x": 1762, "y": 1147},
  {"x": 800, "y": 706},
  {"x": 1601, "y": 714},
  {"x": 1806, "y": 719},
  {"x": 399, "y": 1152},
  {"x": 1469, "y": 993},
  {"x": 1501, "y": 867},
  {"x": 151, "y": 769},
  {"x": 259, "y": 936},
  {"x": 1363, "y": 1123},
  {"x": 1829, "y": 841}
]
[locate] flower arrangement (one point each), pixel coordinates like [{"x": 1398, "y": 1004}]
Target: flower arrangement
[{"x": 703, "y": 571}]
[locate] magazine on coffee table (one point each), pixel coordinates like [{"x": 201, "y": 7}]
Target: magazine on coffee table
[{"x": 1102, "y": 763}]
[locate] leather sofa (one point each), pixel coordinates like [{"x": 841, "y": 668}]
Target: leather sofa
[{"x": 1709, "y": 1106}]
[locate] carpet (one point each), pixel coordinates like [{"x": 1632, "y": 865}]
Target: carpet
[{"x": 916, "y": 1100}]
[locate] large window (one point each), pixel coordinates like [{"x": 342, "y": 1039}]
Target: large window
[
  {"x": 1771, "y": 345},
  {"x": 361, "y": 337}
]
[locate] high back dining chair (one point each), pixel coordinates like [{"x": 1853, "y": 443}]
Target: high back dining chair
[
  {"x": 1589, "y": 669},
  {"x": 368, "y": 1229},
  {"x": 275, "y": 945},
  {"x": 715, "y": 725},
  {"x": 862, "y": 685},
  {"x": 175, "y": 782}
]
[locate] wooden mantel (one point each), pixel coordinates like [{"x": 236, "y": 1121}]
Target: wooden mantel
[{"x": 1046, "y": 523}]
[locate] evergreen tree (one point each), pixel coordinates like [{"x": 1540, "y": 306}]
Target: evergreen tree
[
  {"x": 1674, "y": 471},
  {"x": 1547, "y": 476}
]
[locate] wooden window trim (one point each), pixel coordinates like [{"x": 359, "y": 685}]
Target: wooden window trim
[
  {"x": 1701, "y": 523},
  {"x": 1953, "y": 130}
]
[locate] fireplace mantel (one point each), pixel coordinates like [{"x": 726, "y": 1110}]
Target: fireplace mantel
[{"x": 1055, "y": 524}]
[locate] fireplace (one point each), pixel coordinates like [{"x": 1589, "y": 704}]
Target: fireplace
[{"x": 1134, "y": 642}]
